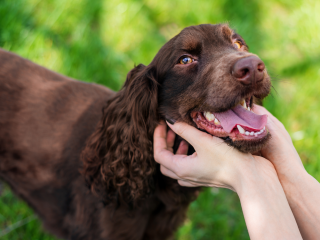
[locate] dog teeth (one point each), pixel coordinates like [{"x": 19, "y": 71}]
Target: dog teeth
[
  {"x": 243, "y": 103},
  {"x": 241, "y": 130},
  {"x": 209, "y": 116},
  {"x": 252, "y": 133}
]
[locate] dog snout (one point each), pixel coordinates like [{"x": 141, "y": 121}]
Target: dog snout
[{"x": 248, "y": 70}]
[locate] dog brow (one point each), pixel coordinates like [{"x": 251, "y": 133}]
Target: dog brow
[
  {"x": 193, "y": 47},
  {"x": 237, "y": 36}
]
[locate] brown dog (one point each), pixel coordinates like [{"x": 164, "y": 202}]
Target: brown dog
[{"x": 47, "y": 121}]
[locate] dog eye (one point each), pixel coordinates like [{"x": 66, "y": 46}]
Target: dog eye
[
  {"x": 237, "y": 44},
  {"x": 186, "y": 60}
]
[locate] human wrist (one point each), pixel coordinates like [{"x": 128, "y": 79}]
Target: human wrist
[
  {"x": 262, "y": 197},
  {"x": 293, "y": 180},
  {"x": 252, "y": 173},
  {"x": 289, "y": 169}
]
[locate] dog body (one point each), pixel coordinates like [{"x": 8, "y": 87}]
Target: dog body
[
  {"x": 81, "y": 155},
  {"x": 45, "y": 121}
]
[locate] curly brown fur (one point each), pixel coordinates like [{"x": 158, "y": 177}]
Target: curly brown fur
[
  {"x": 118, "y": 160},
  {"x": 52, "y": 128}
]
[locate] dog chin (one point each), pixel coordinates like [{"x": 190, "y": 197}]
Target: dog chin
[{"x": 248, "y": 146}]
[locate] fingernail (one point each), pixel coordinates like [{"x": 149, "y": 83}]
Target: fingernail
[{"x": 170, "y": 121}]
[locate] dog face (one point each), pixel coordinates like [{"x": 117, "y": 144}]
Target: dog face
[
  {"x": 208, "y": 79},
  {"x": 204, "y": 76}
]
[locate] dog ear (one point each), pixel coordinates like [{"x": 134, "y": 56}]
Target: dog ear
[{"x": 118, "y": 159}]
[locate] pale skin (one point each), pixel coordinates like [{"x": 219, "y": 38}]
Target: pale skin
[
  {"x": 301, "y": 189},
  {"x": 276, "y": 193}
]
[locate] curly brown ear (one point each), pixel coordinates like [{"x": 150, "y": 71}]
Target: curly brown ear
[{"x": 118, "y": 158}]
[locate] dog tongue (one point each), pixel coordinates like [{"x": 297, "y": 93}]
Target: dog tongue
[{"x": 240, "y": 116}]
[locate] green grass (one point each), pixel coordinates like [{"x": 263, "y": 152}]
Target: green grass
[
  {"x": 17, "y": 221},
  {"x": 100, "y": 41}
]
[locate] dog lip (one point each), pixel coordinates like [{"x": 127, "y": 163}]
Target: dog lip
[{"x": 235, "y": 135}]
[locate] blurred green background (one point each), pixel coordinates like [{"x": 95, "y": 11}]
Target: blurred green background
[{"x": 100, "y": 41}]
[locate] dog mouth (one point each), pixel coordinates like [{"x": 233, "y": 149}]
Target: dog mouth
[{"x": 236, "y": 125}]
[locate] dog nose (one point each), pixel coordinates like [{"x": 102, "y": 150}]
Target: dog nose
[{"x": 248, "y": 70}]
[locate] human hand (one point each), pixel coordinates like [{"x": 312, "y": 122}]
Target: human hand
[
  {"x": 214, "y": 163},
  {"x": 279, "y": 149}
]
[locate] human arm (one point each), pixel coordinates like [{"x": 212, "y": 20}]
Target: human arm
[
  {"x": 215, "y": 164},
  {"x": 301, "y": 189}
]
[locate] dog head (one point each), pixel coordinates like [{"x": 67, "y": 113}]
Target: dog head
[
  {"x": 204, "y": 76},
  {"x": 208, "y": 78}
]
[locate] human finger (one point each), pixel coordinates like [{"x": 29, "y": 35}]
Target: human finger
[
  {"x": 191, "y": 183},
  {"x": 169, "y": 160},
  {"x": 274, "y": 125},
  {"x": 167, "y": 172},
  {"x": 183, "y": 148},
  {"x": 261, "y": 110},
  {"x": 184, "y": 183},
  {"x": 190, "y": 133},
  {"x": 160, "y": 137},
  {"x": 170, "y": 139},
  {"x": 179, "y": 176},
  {"x": 160, "y": 147}
]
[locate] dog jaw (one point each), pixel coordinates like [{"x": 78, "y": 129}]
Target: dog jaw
[{"x": 244, "y": 137}]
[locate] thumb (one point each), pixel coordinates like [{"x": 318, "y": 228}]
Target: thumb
[{"x": 192, "y": 135}]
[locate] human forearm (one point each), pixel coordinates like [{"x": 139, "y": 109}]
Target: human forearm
[
  {"x": 303, "y": 194},
  {"x": 265, "y": 207},
  {"x": 301, "y": 189}
]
